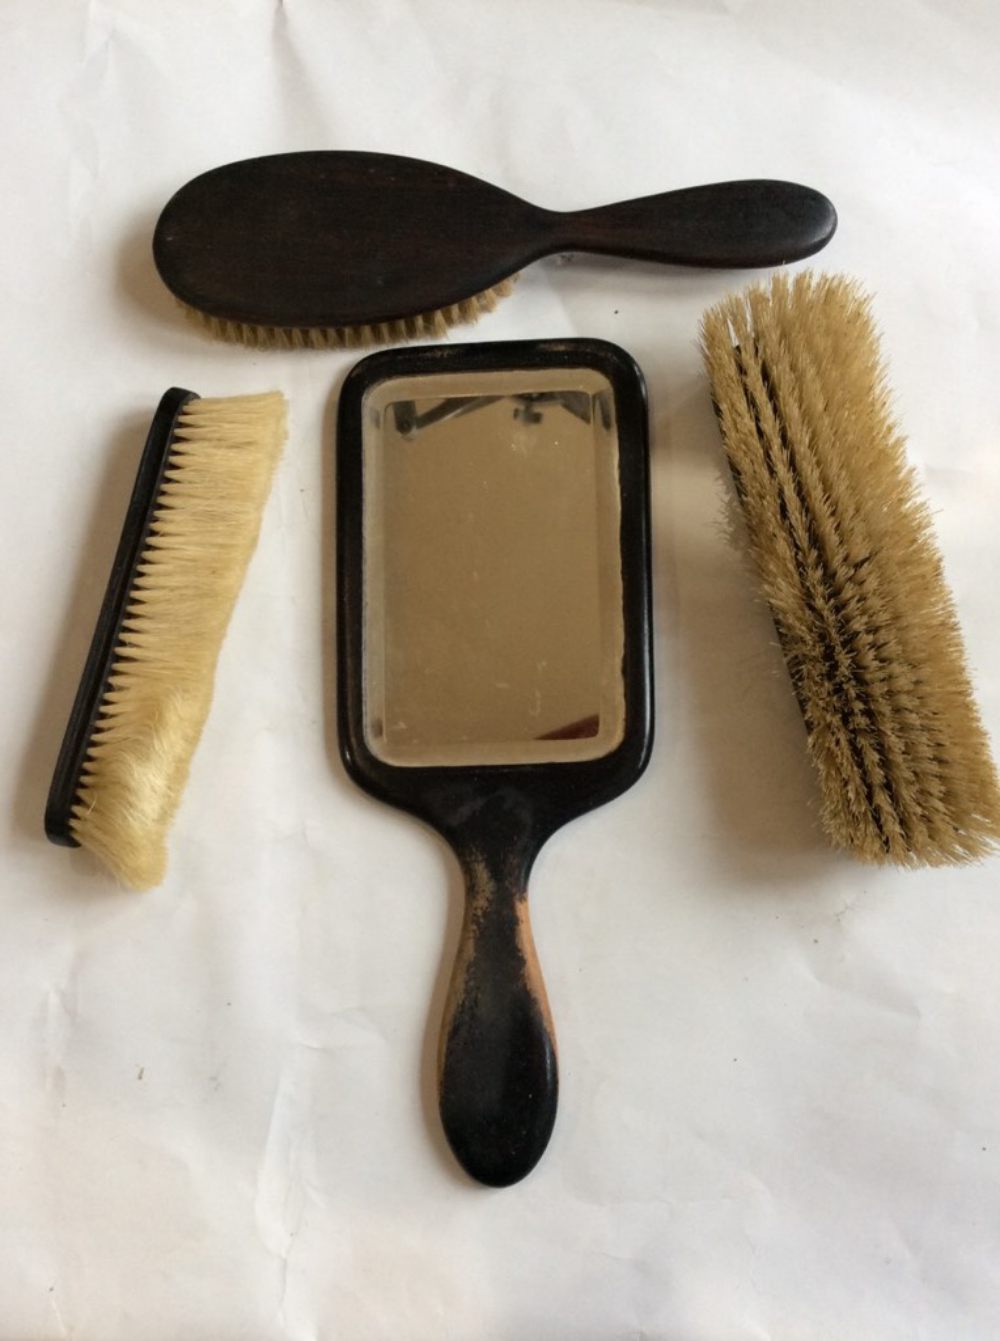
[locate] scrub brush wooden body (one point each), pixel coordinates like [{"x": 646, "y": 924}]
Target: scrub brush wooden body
[
  {"x": 844, "y": 550},
  {"x": 189, "y": 532}
]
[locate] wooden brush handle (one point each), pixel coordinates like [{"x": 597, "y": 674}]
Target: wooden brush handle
[
  {"x": 498, "y": 1080},
  {"x": 749, "y": 223}
]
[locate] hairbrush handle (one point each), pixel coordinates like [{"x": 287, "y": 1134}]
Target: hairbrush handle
[
  {"x": 725, "y": 224},
  {"x": 498, "y": 1079}
]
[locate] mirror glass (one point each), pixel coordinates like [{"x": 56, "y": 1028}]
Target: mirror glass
[{"x": 493, "y": 622}]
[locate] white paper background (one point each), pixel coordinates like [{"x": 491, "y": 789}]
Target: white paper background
[{"x": 780, "y": 1089}]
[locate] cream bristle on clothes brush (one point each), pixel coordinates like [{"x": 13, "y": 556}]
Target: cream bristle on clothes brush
[{"x": 190, "y": 529}]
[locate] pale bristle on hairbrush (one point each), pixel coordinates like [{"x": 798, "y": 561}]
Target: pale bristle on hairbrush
[
  {"x": 843, "y": 546},
  {"x": 189, "y": 532},
  {"x": 426, "y": 326}
]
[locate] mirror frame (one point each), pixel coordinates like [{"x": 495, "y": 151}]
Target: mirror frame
[{"x": 554, "y": 792}]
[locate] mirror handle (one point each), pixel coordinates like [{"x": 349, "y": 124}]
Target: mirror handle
[{"x": 497, "y": 1076}]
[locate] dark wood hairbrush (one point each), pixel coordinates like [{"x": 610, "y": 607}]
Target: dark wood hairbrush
[{"x": 344, "y": 248}]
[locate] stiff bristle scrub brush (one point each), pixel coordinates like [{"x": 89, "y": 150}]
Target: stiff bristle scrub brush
[
  {"x": 333, "y": 247},
  {"x": 189, "y": 532},
  {"x": 843, "y": 547}
]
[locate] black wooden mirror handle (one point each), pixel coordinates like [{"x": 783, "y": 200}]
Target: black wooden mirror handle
[
  {"x": 498, "y": 1080},
  {"x": 746, "y": 223}
]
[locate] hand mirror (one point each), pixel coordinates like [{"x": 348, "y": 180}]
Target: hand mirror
[{"x": 494, "y": 662}]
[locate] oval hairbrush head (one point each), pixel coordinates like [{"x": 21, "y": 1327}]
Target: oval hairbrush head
[
  {"x": 844, "y": 550},
  {"x": 341, "y": 248}
]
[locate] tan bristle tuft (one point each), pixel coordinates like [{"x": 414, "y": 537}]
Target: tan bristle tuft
[
  {"x": 846, "y": 557},
  {"x": 425, "y": 326},
  {"x": 204, "y": 530}
]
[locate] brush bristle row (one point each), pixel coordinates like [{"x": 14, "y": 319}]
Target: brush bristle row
[
  {"x": 425, "y": 326},
  {"x": 844, "y": 549},
  {"x": 202, "y": 534}
]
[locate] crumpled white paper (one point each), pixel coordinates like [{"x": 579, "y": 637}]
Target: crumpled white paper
[{"x": 780, "y": 1094}]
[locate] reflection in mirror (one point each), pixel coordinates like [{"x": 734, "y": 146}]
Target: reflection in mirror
[{"x": 493, "y": 624}]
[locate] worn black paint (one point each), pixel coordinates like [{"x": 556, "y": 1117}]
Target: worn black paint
[
  {"x": 338, "y": 238},
  {"x": 498, "y": 1077}
]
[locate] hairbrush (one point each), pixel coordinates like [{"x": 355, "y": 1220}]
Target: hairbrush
[{"x": 332, "y": 248}]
